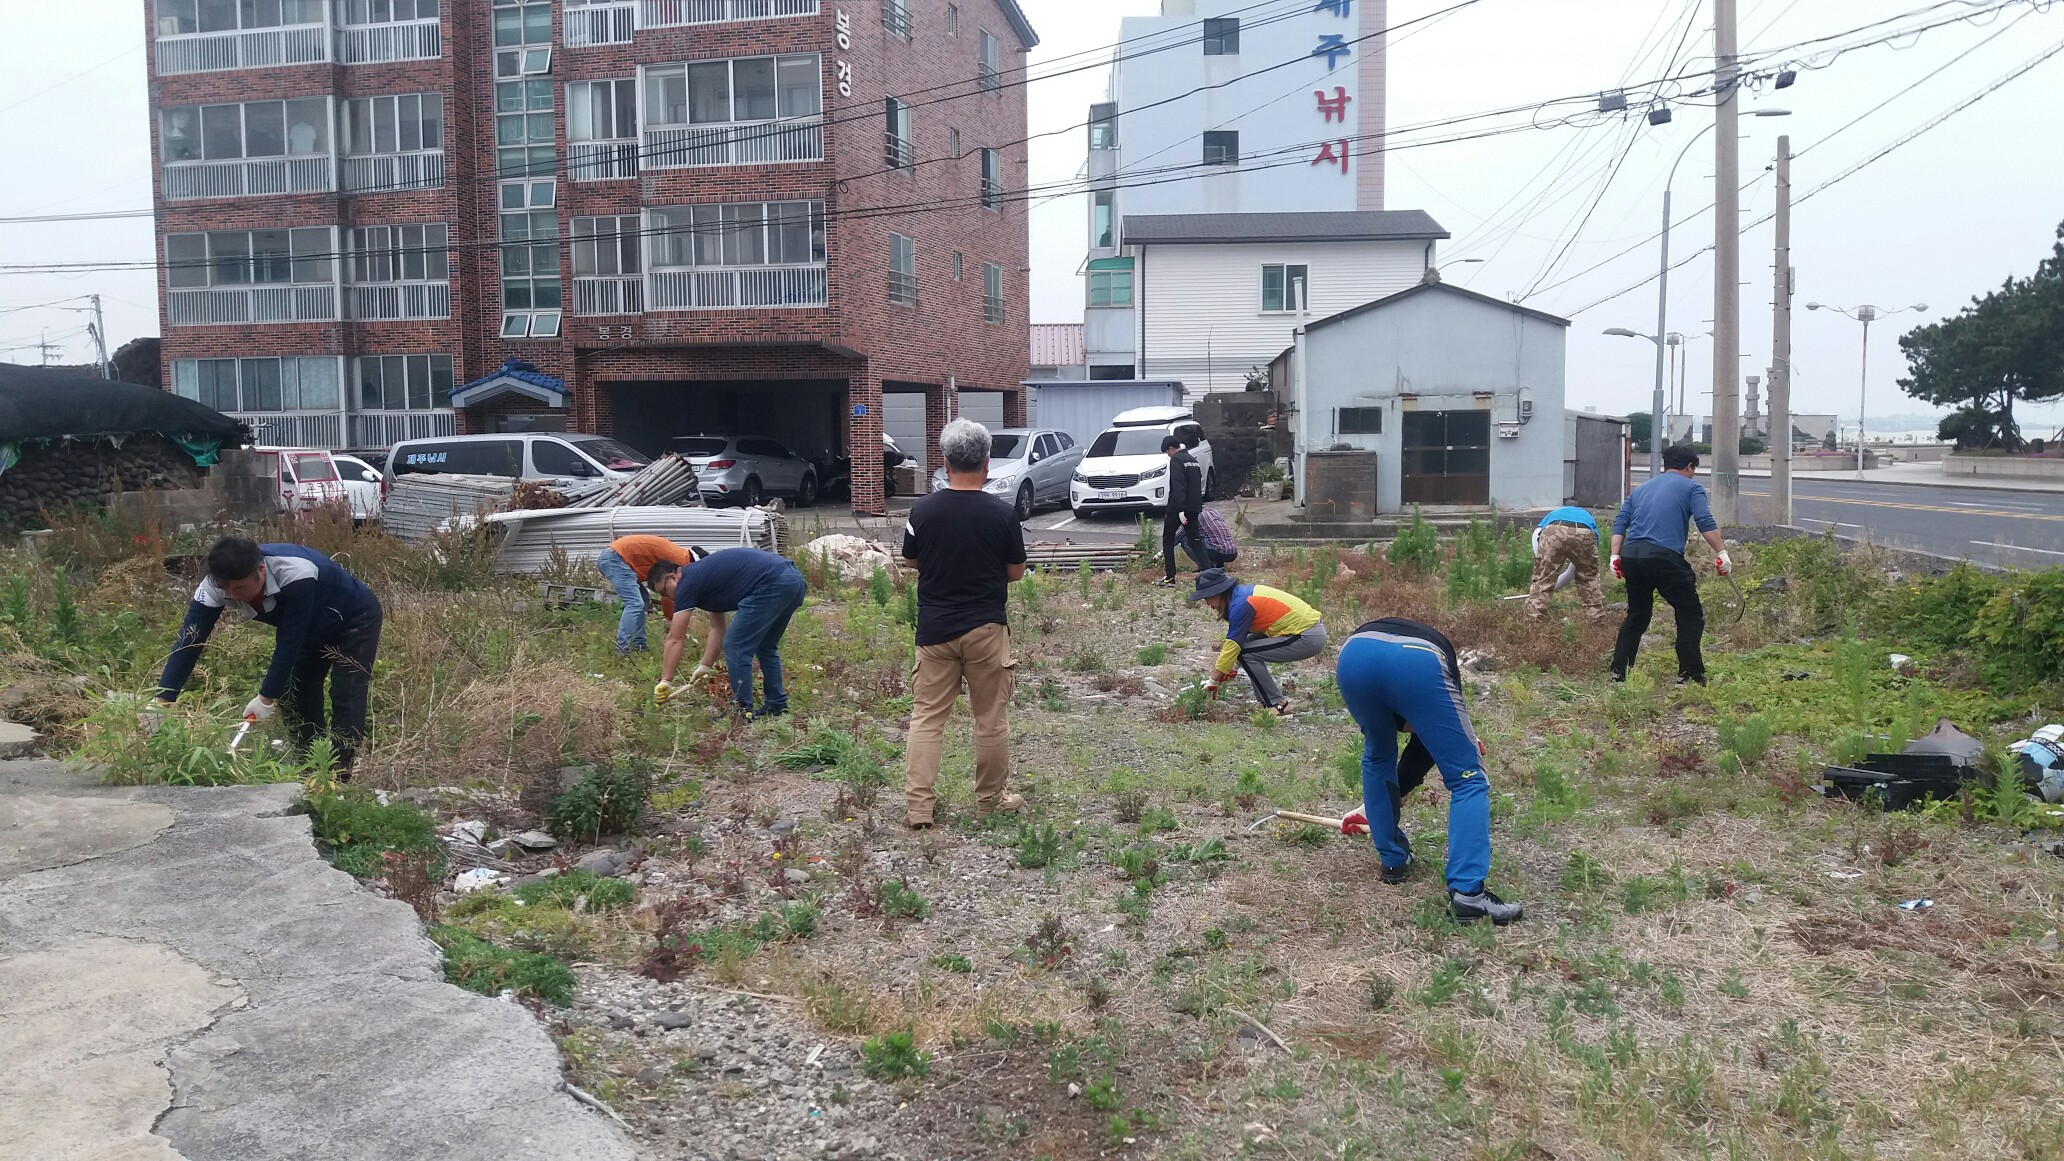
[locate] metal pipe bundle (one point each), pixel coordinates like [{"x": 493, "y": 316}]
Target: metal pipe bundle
[
  {"x": 666, "y": 480},
  {"x": 535, "y": 540},
  {"x": 418, "y": 504}
]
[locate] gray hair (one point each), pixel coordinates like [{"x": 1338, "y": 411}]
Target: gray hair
[{"x": 966, "y": 446}]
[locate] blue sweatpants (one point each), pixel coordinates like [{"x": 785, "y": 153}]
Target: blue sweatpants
[
  {"x": 755, "y": 634},
  {"x": 1385, "y": 678},
  {"x": 630, "y": 626}
]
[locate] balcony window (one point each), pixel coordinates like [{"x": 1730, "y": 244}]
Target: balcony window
[
  {"x": 266, "y": 384},
  {"x": 403, "y": 382},
  {"x": 1103, "y": 126},
  {"x": 1222, "y": 147},
  {"x": 599, "y": 21},
  {"x": 531, "y": 299},
  {"x": 992, "y": 292},
  {"x": 388, "y": 11},
  {"x": 522, "y": 38},
  {"x": 1110, "y": 282},
  {"x": 398, "y": 124},
  {"x": 400, "y": 254},
  {"x": 676, "y": 13},
  {"x": 602, "y": 130},
  {"x": 985, "y": 59},
  {"x": 1100, "y": 206},
  {"x": 254, "y": 129},
  {"x": 248, "y": 258},
  {"x": 379, "y": 31},
  {"x": 902, "y": 270},
  {"x": 736, "y": 254},
  {"x": 992, "y": 180},
  {"x": 1222, "y": 36},
  {"x": 895, "y": 16},
  {"x": 1283, "y": 288},
  {"x": 523, "y": 121},
  {"x": 896, "y": 116},
  {"x": 185, "y": 17},
  {"x": 607, "y": 246},
  {"x": 717, "y": 112}
]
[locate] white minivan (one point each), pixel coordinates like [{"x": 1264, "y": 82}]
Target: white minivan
[
  {"x": 1125, "y": 468},
  {"x": 560, "y": 456}
]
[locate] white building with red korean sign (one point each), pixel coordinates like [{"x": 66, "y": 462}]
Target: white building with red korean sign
[{"x": 1237, "y": 188}]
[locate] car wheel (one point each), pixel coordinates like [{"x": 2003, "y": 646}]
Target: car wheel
[
  {"x": 749, "y": 495},
  {"x": 1024, "y": 505},
  {"x": 807, "y": 494}
]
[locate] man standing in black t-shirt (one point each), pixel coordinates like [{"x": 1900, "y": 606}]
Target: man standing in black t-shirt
[{"x": 967, "y": 548}]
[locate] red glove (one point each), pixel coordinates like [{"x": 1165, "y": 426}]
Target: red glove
[
  {"x": 1211, "y": 687},
  {"x": 1482, "y": 751},
  {"x": 1356, "y": 822},
  {"x": 1617, "y": 571}
]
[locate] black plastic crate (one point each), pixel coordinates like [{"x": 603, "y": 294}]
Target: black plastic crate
[
  {"x": 1918, "y": 767},
  {"x": 1896, "y": 793}
]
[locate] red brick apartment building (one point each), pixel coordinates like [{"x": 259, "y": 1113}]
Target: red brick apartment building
[{"x": 722, "y": 216}]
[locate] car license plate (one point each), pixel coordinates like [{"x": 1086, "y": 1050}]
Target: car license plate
[{"x": 1110, "y": 495}]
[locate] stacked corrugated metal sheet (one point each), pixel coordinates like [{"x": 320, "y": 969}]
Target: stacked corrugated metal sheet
[
  {"x": 666, "y": 480},
  {"x": 418, "y": 504},
  {"x": 536, "y": 540}
]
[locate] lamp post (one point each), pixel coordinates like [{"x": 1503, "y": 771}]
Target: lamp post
[
  {"x": 1659, "y": 413},
  {"x": 1865, "y": 314},
  {"x": 1655, "y": 449}
]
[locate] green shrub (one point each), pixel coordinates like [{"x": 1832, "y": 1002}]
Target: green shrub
[
  {"x": 893, "y": 1056},
  {"x": 566, "y": 891},
  {"x": 355, "y": 829},
  {"x": 878, "y": 586},
  {"x": 1192, "y": 702},
  {"x": 952, "y": 962},
  {"x": 1748, "y": 738},
  {"x": 1153, "y": 654},
  {"x": 477, "y": 965},
  {"x": 1416, "y": 548},
  {"x": 900, "y": 901},
  {"x": 1039, "y": 844},
  {"x": 604, "y": 801}
]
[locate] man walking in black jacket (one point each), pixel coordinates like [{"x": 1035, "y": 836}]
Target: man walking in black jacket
[{"x": 1185, "y": 503}]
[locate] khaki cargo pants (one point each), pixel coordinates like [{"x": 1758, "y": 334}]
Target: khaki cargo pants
[
  {"x": 1566, "y": 544},
  {"x": 982, "y": 658}
]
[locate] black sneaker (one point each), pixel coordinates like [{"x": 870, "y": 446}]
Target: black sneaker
[
  {"x": 1619, "y": 677},
  {"x": 1396, "y": 875},
  {"x": 1166, "y": 582},
  {"x": 1484, "y": 905},
  {"x": 1683, "y": 679}
]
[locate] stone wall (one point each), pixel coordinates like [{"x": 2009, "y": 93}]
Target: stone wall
[
  {"x": 2004, "y": 467},
  {"x": 50, "y": 477}
]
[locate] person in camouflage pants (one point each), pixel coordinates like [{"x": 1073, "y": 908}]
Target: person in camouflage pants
[{"x": 1567, "y": 540}]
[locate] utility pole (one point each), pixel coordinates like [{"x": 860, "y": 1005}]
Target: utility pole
[
  {"x": 1726, "y": 273},
  {"x": 1659, "y": 418},
  {"x": 100, "y": 337},
  {"x": 1781, "y": 344},
  {"x": 1866, "y": 315},
  {"x": 43, "y": 348}
]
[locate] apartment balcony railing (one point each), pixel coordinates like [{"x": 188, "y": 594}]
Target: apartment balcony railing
[
  {"x": 380, "y": 43},
  {"x": 748, "y": 143},
  {"x": 398, "y": 300},
  {"x": 674, "y": 13},
  {"x": 188, "y": 180},
  {"x": 609, "y": 294},
  {"x": 383, "y": 172},
  {"x": 736, "y": 288},
  {"x": 222, "y": 306},
  {"x": 323, "y": 429},
  {"x": 601, "y": 23},
  {"x": 207, "y": 52},
  {"x": 387, "y": 428},
  {"x": 601, "y": 160}
]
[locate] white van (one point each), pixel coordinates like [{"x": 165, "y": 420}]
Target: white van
[
  {"x": 1125, "y": 468},
  {"x": 558, "y": 456}
]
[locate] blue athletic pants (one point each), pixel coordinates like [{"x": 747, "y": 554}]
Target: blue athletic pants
[{"x": 1384, "y": 678}]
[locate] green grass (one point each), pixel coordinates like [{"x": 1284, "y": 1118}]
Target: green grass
[{"x": 477, "y": 965}]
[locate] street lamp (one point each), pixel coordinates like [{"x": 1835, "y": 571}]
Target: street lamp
[
  {"x": 1865, "y": 314},
  {"x": 1655, "y": 448},
  {"x": 1658, "y": 415}
]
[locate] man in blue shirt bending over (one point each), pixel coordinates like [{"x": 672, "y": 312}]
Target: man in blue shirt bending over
[
  {"x": 761, "y": 590},
  {"x": 1648, "y": 553},
  {"x": 328, "y": 630}
]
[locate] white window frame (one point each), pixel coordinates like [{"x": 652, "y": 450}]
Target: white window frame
[
  {"x": 654, "y": 76},
  {"x": 895, "y": 18},
  {"x": 987, "y": 62},
  {"x": 322, "y": 149},
  {"x": 186, "y": 382},
  {"x": 1294, "y": 291},
  {"x": 367, "y": 13},
  {"x": 898, "y": 150},
  {"x": 902, "y": 270},
  {"x": 322, "y": 238},
  {"x": 414, "y": 367},
  {"x": 369, "y": 107},
  {"x": 159, "y": 19},
  {"x": 1224, "y": 137},
  {"x": 426, "y": 244},
  {"x": 992, "y": 293},
  {"x": 992, "y": 180},
  {"x": 708, "y": 223}
]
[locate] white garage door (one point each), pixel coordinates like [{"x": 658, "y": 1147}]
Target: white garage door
[{"x": 903, "y": 417}]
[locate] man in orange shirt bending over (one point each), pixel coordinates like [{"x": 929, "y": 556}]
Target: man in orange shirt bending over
[{"x": 625, "y": 564}]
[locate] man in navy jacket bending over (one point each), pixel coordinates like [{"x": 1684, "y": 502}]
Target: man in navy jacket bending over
[{"x": 328, "y": 627}]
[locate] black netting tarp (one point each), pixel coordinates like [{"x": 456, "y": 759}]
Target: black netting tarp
[{"x": 40, "y": 403}]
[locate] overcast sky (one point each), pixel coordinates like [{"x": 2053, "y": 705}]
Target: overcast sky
[{"x": 1938, "y": 220}]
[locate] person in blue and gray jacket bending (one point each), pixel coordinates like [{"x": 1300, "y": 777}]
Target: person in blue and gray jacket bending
[
  {"x": 1398, "y": 675},
  {"x": 327, "y": 627}
]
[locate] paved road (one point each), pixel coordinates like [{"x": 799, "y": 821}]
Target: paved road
[{"x": 1986, "y": 526}]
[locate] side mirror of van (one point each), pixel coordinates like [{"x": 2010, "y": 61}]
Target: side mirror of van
[{"x": 580, "y": 470}]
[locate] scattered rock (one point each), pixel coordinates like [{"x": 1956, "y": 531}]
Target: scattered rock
[
  {"x": 501, "y": 848},
  {"x": 605, "y": 862},
  {"x": 17, "y": 740},
  {"x": 2048, "y": 943},
  {"x": 673, "y": 1020},
  {"x": 652, "y": 1076},
  {"x": 472, "y": 828},
  {"x": 534, "y": 878},
  {"x": 781, "y": 826},
  {"x": 534, "y": 840},
  {"x": 894, "y": 736},
  {"x": 796, "y": 875},
  {"x": 853, "y": 558}
]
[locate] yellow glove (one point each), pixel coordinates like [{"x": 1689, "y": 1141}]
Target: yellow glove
[{"x": 661, "y": 692}]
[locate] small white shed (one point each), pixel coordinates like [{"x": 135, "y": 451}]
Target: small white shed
[{"x": 1459, "y": 394}]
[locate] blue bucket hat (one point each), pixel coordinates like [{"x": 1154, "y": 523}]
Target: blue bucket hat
[{"x": 1211, "y": 582}]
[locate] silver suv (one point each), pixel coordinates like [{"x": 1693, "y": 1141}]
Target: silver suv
[
  {"x": 1028, "y": 466},
  {"x": 746, "y": 469}
]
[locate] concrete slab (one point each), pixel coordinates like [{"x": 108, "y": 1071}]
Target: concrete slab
[{"x": 350, "y": 1044}]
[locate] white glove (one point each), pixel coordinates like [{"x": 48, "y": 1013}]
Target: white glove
[
  {"x": 1724, "y": 564},
  {"x": 152, "y": 719},
  {"x": 1617, "y": 571},
  {"x": 661, "y": 692},
  {"x": 1182, "y": 518},
  {"x": 259, "y": 708},
  {"x": 700, "y": 672}
]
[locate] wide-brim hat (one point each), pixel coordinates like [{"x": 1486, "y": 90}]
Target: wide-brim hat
[{"x": 1211, "y": 582}]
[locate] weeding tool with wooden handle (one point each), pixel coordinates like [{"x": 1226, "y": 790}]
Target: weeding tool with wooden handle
[{"x": 1294, "y": 816}]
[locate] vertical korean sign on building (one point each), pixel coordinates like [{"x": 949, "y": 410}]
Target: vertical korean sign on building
[
  {"x": 1332, "y": 107},
  {"x": 842, "y": 69}
]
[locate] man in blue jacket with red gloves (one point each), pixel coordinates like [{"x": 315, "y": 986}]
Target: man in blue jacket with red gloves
[{"x": 328, "y": 629}]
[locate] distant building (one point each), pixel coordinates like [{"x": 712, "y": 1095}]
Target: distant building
[{"x": 1057, "y": 352}]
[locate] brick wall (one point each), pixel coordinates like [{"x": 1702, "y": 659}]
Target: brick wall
[{"x": 860, "y": 337}]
